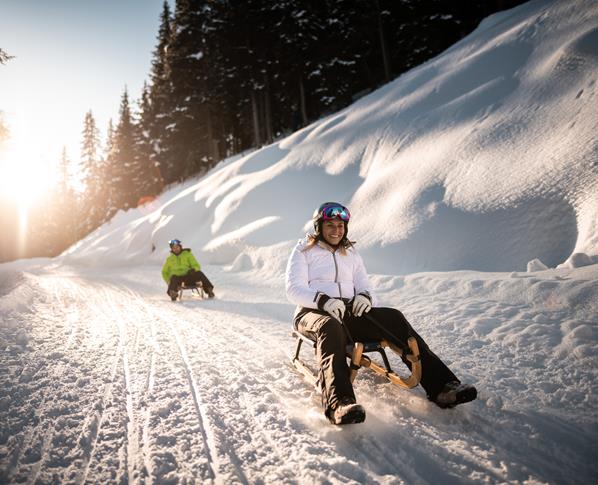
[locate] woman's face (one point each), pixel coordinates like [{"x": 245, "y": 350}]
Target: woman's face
[{"x": 333, "y": 231}]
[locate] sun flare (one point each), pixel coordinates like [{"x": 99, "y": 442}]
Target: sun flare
[
  {"x": 25, "y": 174},
  {"x": 24, "y": 178}
]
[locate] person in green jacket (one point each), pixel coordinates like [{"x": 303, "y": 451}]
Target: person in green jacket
[{"x": 182, "y": 267}]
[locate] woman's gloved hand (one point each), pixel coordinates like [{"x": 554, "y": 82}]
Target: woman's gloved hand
[
  {"x": 336, "y": 308},
  {"x": 361, "y": 304}
]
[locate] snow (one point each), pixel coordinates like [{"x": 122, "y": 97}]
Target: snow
[{"x": 472, "y": 181}]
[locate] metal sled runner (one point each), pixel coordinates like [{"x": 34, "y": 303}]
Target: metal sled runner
[
  {"x": 196, "y": 289},
  {"x": 355, "y": 353}
]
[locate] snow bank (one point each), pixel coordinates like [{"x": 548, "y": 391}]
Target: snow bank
[{"x": 483, "y": 158}]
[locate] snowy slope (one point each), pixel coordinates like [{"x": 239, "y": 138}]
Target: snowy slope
[
  {"x": 483, "y": 158},
  {"x": 458, "y": 174}
]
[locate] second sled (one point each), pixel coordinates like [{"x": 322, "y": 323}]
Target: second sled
[{"x": 194, "y": 289}]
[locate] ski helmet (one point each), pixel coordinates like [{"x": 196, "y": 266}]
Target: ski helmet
[
  {"x": 328, "y": 211},
  {"x": 175, "y": 242}
]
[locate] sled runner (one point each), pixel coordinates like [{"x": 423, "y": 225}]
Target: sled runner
[
  {"x": 356, "y": 351},
  {"x": 195, "y": 289}
]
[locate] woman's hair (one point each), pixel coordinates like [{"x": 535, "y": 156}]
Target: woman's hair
[{"x": 313, "y": 239}]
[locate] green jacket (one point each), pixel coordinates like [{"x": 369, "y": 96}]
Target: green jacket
[{"x": 179, "y": 265}]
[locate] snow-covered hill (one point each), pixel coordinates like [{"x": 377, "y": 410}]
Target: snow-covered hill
[
  {"x": 484, "y": 158},
  {"x": 460, "y": 175}
]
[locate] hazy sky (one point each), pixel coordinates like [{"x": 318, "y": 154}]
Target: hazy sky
[{"x": 70, "y": 56}]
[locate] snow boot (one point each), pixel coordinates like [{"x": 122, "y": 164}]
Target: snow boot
[
  {"x": 347, "y": 412},
  {"x": 210, "y": 292},
  {"x": 454, "y": 393},
  {"x": 173, "y": 294}
]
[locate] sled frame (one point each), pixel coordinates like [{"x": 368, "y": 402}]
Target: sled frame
[
  {"x": 358, "y": 360},
  {"x": 195, "y": 289}
]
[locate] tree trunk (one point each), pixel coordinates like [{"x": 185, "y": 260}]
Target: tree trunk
[
  {"x": 256, "y": 123},
  {"x": 302, "y": 103},
  {"x": 382, "y": 44},
  {"x": 267, "y": 111}
]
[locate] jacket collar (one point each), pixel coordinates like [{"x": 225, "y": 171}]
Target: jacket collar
[{"x": 327, "y": 247}]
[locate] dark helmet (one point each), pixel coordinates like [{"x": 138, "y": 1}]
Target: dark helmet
[
  {"x": 175, "y": 242},
  {"x": 328, "y": 211}
]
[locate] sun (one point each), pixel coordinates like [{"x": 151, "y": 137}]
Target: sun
[{"x": 26, "y": 175}]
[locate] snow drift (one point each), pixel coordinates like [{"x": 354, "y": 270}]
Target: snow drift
[{"x": 484, "y": 158}]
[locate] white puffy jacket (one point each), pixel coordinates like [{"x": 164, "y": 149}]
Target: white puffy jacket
[{"x": 317, "y": 269}]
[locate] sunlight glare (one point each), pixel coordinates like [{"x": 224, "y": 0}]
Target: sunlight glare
[{"x": 24, "y": 175}]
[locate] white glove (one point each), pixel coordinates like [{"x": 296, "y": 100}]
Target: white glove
[
  {"x": 336, "y": 308},
  {"x": 361, "y": 305}
]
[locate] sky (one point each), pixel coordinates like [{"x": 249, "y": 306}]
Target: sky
[{"x": 70, "y": 56}]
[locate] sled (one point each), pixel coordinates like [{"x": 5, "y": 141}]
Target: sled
[
  {"x": 195, "y": 289},
  {"x": 355, "y": 352}
]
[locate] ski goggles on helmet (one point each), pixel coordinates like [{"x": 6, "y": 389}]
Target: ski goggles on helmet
[
  {"x": 174, "y": 242},
  {"x": 336, "y": 211}
]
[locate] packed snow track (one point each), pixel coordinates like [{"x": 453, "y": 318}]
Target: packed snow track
[{"x": 106, "y": 381}]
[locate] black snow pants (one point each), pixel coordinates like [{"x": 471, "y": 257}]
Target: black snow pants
[
  {"x": 331, "y": 341},
  {"x": 190, "y": 279}
]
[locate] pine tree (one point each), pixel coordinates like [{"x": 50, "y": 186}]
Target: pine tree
[
  {"x": 189, "y": 136},
  {"x": 123, "y": 163},
  {"x": 160, "y": 99},
  {"x": 147, "y": 176},
  {"x": 109, "y": 169},
  {"x": 66, "y": 203},
  {"x": 4, "y": 57},
  {"x": 91, "y": 210}
]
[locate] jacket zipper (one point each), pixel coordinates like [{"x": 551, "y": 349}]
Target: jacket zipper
[{"x": 340, "y": 293}]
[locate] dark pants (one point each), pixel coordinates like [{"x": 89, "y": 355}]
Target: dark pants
[
  {"x": 190, "y": 279},
  {"x": 331, "y": 341}
]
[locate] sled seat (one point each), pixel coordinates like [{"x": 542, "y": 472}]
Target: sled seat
[
  {"x": 196, "y": 289},
  {"x": 355, "y": 352}
]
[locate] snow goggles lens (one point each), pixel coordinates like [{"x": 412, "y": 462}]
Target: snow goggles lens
[
  {"x": 335, "y": 211},
  {"x": 172, "y": 242}
]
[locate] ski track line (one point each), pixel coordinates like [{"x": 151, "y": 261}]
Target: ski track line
[
  {"x": 49, "y": 422},
  {"x": 206, "y": 432},
  {"x": 143, "y": 445},
  {"x": 207, "y": 346},
  {"x": 151, "y": 317},
  {"x": 98, "y": 418},
  {"x": 131, "y": 430},
  {"x": 235, "y": 460},
  {"x": 206, "y": 435},
  {"x": 56, "y": 371},
  {"x": 149, "y": 389}
]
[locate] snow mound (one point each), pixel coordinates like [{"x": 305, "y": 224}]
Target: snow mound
[{"x": 483, "y": 158}]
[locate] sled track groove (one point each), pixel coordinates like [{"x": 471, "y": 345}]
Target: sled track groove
[
  {"x": 205, "y": 431},
  {"x": 46, "y": 421},
  {"x": 98, "y": 418},
  {"x": 255, "y": 427},
  {"x": 207, "y": 434},
  {"x": 131, "y": 429},
  {"x": 149, "y": 388}
]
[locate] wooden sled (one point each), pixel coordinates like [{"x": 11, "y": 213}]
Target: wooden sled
[
  {"x": 356, "y": 353},
  {"x": 195, "y": 289}
]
